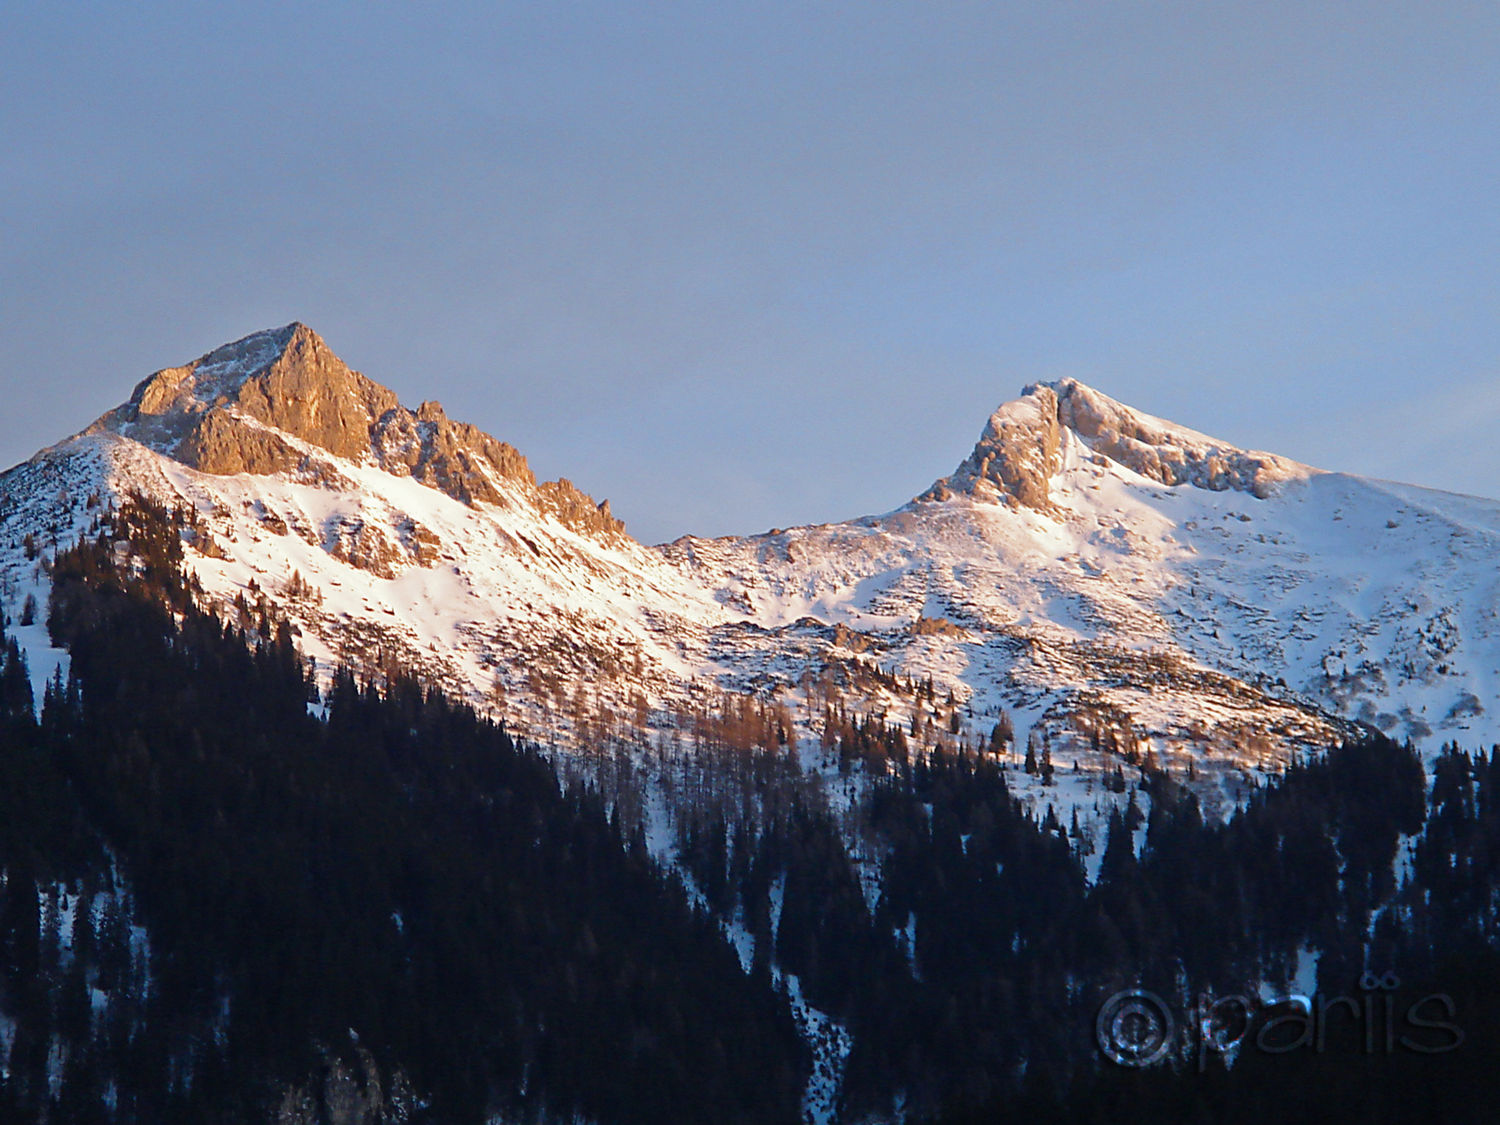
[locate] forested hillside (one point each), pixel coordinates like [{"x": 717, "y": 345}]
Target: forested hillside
[
  {"x": 213, "y": 899},
  {"x": 230, "y": 896}
]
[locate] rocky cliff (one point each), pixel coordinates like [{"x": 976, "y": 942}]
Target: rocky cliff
[
  {"x": 271, "y": 402},
  {"x": 1021, "y": 449}
]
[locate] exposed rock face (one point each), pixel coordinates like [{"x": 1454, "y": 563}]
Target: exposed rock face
[
  {"x": 310, "y": 393},
  {"x": 454, "y": 457},
  {"x": 1017, "y": 455},
  {"x": 223, "y": 444},
  {"x": 369, "y": 546},
  {"x": 206, "y": 413},
  {"x": 1021, "y": 449},
  {"x": 348, "y": 1092},
  {"x": 268, "y": 403},
  {"x": 1165, "y": 452}
]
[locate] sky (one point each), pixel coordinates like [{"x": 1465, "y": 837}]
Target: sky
[{"x": 741, "y": 266}]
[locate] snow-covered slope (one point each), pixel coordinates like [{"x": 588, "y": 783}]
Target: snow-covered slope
[
  {"x": 1113, "y": 581},
  {"x": 382, "y": 534},
  {"x": 1208, "y": 615}
]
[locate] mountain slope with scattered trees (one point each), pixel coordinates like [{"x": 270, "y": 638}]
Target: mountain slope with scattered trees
[{"x": 229, "y": 896}]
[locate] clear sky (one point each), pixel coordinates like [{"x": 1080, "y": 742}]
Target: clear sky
[{"x": 742, "y": 265}]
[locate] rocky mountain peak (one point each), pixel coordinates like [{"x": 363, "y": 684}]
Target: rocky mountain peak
[
  {"x": 1022, "y": 449},
  {"x": 281, "y": 401},
  {"x": 286, "y": 379}
]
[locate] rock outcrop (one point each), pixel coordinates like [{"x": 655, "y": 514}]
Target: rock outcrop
[
  {"x": 1016, "y": 456},
  {"x": 275, "y": 401},
  {"x": 348, "y": 1091},
  {"x": 1163, "y": 451},
  {"x": 1021, "y": 449}
]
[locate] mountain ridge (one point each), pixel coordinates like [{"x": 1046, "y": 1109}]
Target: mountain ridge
[
  {"x": 1088, "y": 568},
  {"x": 1021, "y": 449},
  {"x": 288, "y": 380}
]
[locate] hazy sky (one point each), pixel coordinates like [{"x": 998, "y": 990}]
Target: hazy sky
[{"x": 736, "y": 266}]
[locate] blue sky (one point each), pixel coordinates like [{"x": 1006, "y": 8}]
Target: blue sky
[{"x": 736, "y": 266}]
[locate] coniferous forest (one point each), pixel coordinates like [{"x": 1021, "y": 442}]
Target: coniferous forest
[{"x": 230, "y": 896}]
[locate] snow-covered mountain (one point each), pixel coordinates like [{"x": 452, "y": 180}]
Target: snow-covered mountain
[{"x": 1112, "y": 581}]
